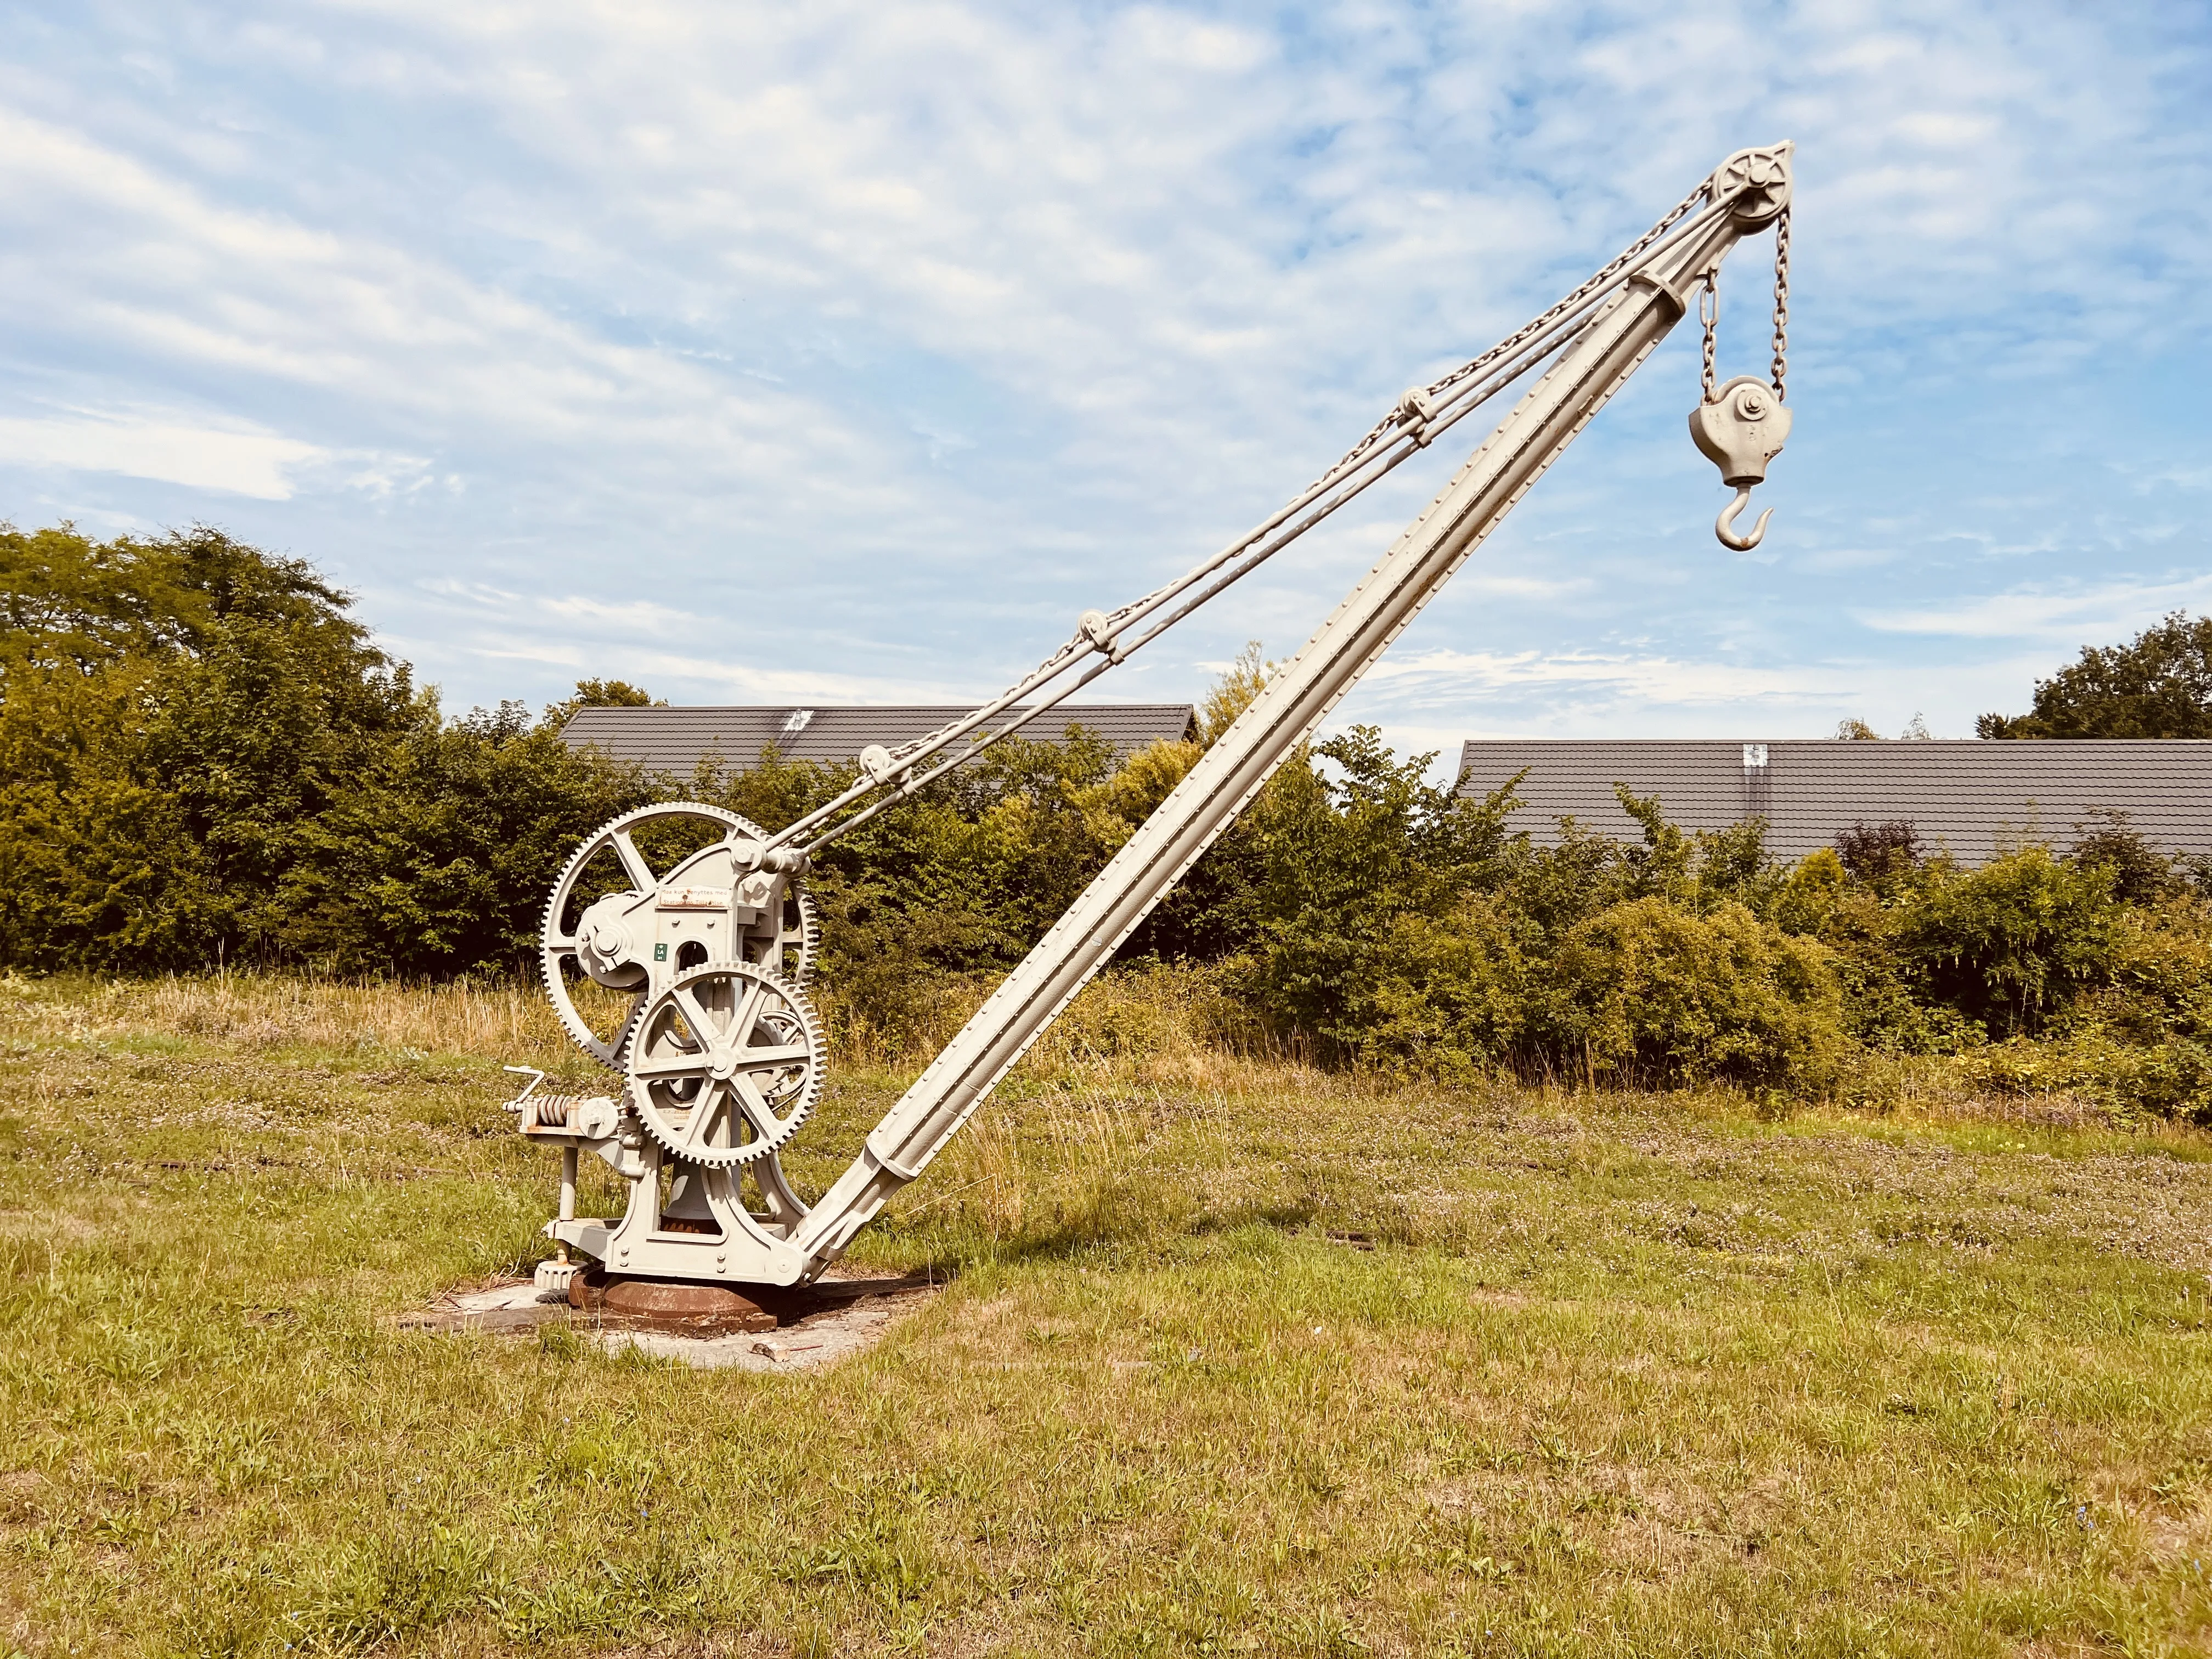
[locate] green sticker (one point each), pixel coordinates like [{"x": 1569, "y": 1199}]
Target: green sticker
[{"x": 661, "y": 953}]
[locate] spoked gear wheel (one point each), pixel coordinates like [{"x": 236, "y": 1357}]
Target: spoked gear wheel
[
  {"x": 726, "y": 1063},
  {"x": 798, "y": 930}
]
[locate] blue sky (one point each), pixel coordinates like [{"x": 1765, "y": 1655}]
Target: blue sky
[{"x": 847, "y": 352}]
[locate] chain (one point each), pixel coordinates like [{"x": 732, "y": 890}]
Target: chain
[
  {"x": 1506, "y": 347},
  {"x": 1709, "y": 314},
  {"x": 1392, "y": 425},
  {"x": 1781, "y": 309}
]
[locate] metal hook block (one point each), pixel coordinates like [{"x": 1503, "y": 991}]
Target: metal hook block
[{"x": 1741, "y": 428}]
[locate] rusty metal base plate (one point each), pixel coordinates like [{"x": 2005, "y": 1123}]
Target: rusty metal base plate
[{"x": 674, "y": 1307}]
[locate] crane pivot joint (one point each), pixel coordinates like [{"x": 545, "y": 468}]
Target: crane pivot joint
[{"x": 1754, "y": 183}]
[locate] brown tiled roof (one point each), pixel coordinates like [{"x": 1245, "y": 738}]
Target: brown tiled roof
[
  {"x": 675, "y": 740},
  {"x": 1970, "y": 797}
]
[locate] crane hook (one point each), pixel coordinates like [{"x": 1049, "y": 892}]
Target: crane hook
[
  {"x": 1724, "y": 526},
  {"x": 1742, "y": 426}
]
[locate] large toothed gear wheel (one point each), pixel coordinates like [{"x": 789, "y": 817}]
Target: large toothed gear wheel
[
  {"x": 726, "y": 1063},
  {"x": 794, "y": 937}
]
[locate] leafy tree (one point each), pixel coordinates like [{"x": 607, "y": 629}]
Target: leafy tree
[
  {"x": 602, "y": 694},
  {"x": 1232, "y": 693},
  {"x": 440, "y": 858},
  {"x": 204, "y": 759},
  {"x": 173, "y": 712},
  {"x": 1344, "y": 858},
  {"x": 2159, "y": 684}
]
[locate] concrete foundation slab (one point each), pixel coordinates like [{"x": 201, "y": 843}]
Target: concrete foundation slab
[{"x": 790, "y": 1328}]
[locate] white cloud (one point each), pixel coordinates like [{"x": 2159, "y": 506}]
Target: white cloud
[
  {"x": 2103, "y": 613},
  {"x": 1428, "y": 676},
  {"x": 917, "y": 329},
  {"x": 241, "y": 463}
]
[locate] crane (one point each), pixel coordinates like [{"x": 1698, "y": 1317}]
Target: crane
[{"x": 689, "y": 981}]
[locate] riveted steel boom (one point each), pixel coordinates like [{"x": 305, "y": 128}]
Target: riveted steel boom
[
  {"x": 1293, "y": 703},
  {"x": 720, "y": 1053}
]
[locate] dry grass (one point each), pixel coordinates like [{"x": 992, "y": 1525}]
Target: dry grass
[
  {"x": 262, "y": 1011},
  {"x": 1240, "y": 1356}
]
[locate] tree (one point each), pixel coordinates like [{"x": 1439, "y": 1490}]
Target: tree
[
  {"x": 601, "y": 694},
  {"x": 173, "y": 712},
  {"x": 437, "y": 858},
  {"x": 2159, "y": 684},
  {"x": 204, "y": 759}
]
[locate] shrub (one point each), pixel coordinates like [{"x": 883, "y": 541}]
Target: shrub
[
  {"x": 2141, "y": 873},
  {"x": 2010, "y": 944},
  {"x": 1648, "y": 993},
  {"x": 1446, "y": 996},
  {"x": 1879, "y": 852},
  {"x": 205, "y": 759}
]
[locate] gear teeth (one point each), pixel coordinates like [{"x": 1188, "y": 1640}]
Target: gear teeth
[
  {"x": 612, "y": 1056},
  {"x": 810, "y": 934},
  {"x": 725, "y": 1158},
  {"x": 556, "y": 990}
]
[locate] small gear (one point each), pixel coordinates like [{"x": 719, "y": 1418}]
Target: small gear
[
  {"x": 793, "y": 942},
  {"x": 726, "y": 1063}
]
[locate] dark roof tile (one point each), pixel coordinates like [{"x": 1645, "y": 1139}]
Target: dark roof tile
[{"x": 1969, "y": 796}]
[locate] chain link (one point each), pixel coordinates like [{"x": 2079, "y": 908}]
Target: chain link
[
  {"x": 1393, "y": 424},
  {"x": 1781, "y": 310},
  {"x": 1513, "y": 342},
  {"x": 1709, "y": 314}
]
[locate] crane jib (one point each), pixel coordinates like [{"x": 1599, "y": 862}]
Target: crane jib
[{"x": 721, "y": 1059}]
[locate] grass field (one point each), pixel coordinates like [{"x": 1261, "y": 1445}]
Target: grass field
[{"x": 1619, "y": 1375}]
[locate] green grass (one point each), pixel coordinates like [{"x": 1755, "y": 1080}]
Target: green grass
[{"x": 1618, "y": 1375}]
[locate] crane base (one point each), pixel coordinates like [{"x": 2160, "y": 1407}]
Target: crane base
[{"x": 674, "y": 1306}]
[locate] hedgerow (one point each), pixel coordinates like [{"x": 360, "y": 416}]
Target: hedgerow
[{"x": 205, "y": 761}]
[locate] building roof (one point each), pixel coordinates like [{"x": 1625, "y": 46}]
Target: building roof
[
  {"x": 1969, "y": 796},
  {"x": 675, "y": 740}
]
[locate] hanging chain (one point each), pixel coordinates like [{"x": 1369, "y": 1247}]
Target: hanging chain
[
  {"x": 1781, "y": 309},
  {"x": 1709, "y": 314}
]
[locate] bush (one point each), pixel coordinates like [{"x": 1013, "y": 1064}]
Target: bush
[
  {"x": 1446, "y": 996},
  {"x": 2010, "y": 945},
  {"x": 1646, "y": 993},
  {"x": 204, "y": 759},
  {"x": 1412, "y": 929}
]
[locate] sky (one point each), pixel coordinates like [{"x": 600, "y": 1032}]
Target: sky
[{"x": 847, "y": 352}]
